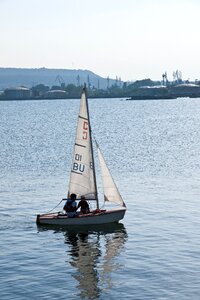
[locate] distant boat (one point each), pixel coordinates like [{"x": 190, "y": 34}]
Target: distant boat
[{"x": 83, "y": 180}]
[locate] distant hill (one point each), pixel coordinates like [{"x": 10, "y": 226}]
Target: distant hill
[{"x": 12, "y": 77}]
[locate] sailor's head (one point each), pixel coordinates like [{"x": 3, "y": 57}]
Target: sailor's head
[
  {"x": 82, "y": 197},
  {"x": 73, "y": 197}
]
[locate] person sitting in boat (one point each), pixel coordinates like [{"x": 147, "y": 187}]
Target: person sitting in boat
[
  {"x": 70, "y": 206},
  {"x": 84, "y": 206}
]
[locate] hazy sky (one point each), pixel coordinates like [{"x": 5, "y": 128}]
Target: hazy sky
[{"x": 131, "y": 39}]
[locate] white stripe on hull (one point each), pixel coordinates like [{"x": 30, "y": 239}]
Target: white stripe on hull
[{"x": 90, "y": 219}]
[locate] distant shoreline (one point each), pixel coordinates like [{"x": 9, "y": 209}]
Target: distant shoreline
[
  {"x": 97, "y": 98},
  {"x": 53, "y": 84}
]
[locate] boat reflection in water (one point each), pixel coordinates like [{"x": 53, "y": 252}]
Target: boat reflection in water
[{"x": 93, "y": 253}]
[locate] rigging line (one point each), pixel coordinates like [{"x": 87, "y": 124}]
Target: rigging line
[
  {"x": 97, "y": 145},
  {"x": 55, "y": 206}
]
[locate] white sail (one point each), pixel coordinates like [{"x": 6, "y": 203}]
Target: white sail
[
  {"x": 82, "y": 180},
  {"x": 111, "y": 192}
]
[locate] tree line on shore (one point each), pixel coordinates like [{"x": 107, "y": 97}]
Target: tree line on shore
[{"x": 74, "y": 91}]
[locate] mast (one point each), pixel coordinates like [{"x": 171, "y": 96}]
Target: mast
[{"x": 91, "y": 145}]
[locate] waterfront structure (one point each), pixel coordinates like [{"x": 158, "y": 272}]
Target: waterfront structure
[
  {"x": 185, "y": 90},
  {"x": 56, "y": 94},
  {"x": 151, "y": 92},
  {"x": 18, "y": 93}
]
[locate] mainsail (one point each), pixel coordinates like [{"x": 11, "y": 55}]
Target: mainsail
[
  {"x": 82, "y": 179},
  {"x": 111, "y": 192}
]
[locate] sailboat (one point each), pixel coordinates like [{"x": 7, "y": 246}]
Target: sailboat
[{"x": 83, "y": 180}]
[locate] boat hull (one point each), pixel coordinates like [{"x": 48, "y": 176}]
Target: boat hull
[{"x": 93, "y": 218}]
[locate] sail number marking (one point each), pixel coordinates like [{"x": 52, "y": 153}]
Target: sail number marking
[
  {"x": 85, "y": 130},
  {"x": 78, "y": 167}
]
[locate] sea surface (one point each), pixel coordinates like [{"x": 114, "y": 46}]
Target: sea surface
[{"x": 153, "y": 151}]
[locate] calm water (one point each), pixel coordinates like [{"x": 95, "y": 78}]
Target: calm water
[{"x": 153, "y": 151}]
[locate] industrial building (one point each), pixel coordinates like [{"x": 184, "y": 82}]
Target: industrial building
[
  {"x": 18, "y": 93},
  {"x": 55, "y": 94}
]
